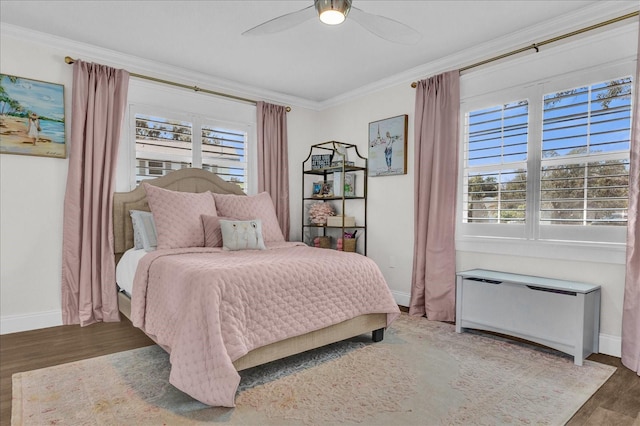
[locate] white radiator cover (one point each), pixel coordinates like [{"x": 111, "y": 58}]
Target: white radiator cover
[{"x": 562, "y": 315}]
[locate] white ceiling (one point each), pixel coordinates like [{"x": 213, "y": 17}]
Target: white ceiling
[{"x": 312, "y": 61}]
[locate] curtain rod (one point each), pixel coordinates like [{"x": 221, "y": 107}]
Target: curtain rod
[
  {"x": 545, "y": 42},
  {"x": 70, "y": 60}
]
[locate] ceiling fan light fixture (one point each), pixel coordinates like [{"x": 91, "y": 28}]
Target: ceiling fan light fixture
[
  {"x": 333, "y": 12},
  {"x": 332, "y": 17}
]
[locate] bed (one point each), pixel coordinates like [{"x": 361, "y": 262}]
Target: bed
[{"x": 222, "y": 335}]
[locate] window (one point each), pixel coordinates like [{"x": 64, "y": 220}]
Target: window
[
  {"x": 551, "y": 165},
  {"x": 162, "y": 145},
  {"x": 223, "y": 153},
  {"x": 585, "y": 155},
  {"x": 165, "y": 144},
  {"x": 496, "y": 158}
]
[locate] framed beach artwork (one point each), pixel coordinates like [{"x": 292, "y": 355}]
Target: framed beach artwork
[
  {"x": 388, "y": 146},
  {"x": 31, "y": 117}
]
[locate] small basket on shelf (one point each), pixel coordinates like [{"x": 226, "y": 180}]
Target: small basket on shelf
[
  {"x": 322, "y": 242},
  {"x": 349, "y": 244}
]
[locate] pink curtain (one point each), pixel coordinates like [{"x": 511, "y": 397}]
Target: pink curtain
[
  {"x": 273, "y": 161},
  {"x": 436, "y": 176},
  {"x": 631, "y": 306},
  {"x": 88, "y": 267}
]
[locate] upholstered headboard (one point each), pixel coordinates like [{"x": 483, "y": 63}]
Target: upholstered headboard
[{"x": 185, "y": 180}]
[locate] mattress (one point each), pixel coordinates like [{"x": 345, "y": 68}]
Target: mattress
[{"x": 126, "y": 269}]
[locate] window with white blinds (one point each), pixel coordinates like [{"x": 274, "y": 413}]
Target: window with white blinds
[
  {"x": 224, "y": 153},
  {"x": 495, "y": 189},
  {"x": 165, "y": 144},
  {"x": 586, "y": 137},
  {"x": 555, "y": 163},
  {"x": 162, "y": 145}
]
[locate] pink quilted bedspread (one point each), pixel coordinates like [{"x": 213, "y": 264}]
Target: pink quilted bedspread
[{"x": 209, "y": 307}]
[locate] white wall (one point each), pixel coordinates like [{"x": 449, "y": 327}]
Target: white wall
[
  {"x": 31, "y": 220},
  {"x": 302, "y": 128}
]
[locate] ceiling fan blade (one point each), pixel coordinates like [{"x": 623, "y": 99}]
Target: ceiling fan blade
[
  {"x": 385, "y": 28},
  {"x": 283, "y": 22}
]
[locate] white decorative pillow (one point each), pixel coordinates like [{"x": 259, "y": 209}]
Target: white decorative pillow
[
  {"x": 247, "y": 207},
  {"x": 242, "y": 235},
  {"x": 177, "y": 216},
  {"x": 212, "y": 231},
  {"x": 144, "y": 230},
  {"x": 137, "y": 234}
]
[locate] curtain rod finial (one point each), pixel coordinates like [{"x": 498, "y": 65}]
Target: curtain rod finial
[{"x": 69, "y": 59}]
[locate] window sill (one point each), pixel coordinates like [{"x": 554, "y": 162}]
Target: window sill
[{"x": 559, "y": 250}]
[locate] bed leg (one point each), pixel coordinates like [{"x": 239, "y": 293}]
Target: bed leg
[{"x": 377, "y": 335}]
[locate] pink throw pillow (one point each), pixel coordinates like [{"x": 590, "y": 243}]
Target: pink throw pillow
[
  {"x": 247, "y": 207},
  {"x": 212, "y": 230},
  {"x": 177, "y": 216}
]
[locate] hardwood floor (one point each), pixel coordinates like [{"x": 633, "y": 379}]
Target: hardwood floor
[{"x": 617, "y": 402}]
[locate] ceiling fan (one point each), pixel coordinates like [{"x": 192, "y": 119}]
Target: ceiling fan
[{"x": 333, "y": 12}]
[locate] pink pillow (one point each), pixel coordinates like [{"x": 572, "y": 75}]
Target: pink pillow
[
  {"x": 177, "y": 216},
  {"x": 247, "y": 207},
  {"x": 212, "y": 230}
]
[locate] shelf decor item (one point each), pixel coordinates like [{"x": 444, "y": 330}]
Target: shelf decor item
[
  {"x": 319, "y": 212},
  {"x": 388, "y": 146},
  {"x": 349, "y": 185},
  {"x": 317, "y": 189},
  {"x": 327, "y": 189},
  {"x": 342, "y": 163},
  {"x": 324, "y": 242},
  {"x": 341, "y": 221},
  {"x": 320, "y": 161},
  {"x": 349, "y": 244},
  {"x": 346, "y": 185}
]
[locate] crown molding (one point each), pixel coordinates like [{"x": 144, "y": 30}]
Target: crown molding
[
  {"x": 134, "y": 64},
  {"x": 599, "y": 12}
]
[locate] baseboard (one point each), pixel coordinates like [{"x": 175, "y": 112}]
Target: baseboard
[
  {"x": 610, "y": 345},
  {"x": 402, "y": 299},
  {"x": 25, "y": 322}
]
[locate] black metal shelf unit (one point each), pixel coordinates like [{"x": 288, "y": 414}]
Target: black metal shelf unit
[{"x": 335, "y": 163}]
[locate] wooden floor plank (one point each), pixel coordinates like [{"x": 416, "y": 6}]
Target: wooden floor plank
[{"x": 620, "y": 395}]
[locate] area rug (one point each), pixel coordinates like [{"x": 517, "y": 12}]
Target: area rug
[{"x": 422, "y": 373}]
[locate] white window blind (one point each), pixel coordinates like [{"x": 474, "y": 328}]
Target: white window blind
[
  {"x": 495, "y": 189},
  {"x": 162, "y": 145},
  {"x": 224, "y": 153},
  {"x": 165, "y": 144},
  {"x": 585, "y": 155}
]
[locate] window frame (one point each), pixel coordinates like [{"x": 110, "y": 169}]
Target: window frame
[
  {"x": 495, "y": 134},
  {"x": 151, "y": 98},
  {"x": 601, "y": 243}
]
